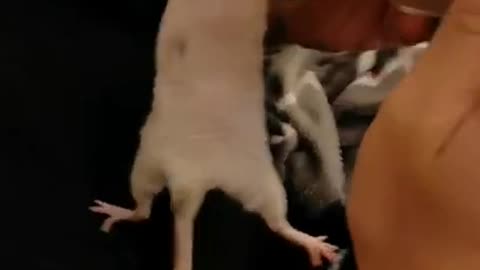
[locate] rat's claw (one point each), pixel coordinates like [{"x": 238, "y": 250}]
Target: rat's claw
[
  {"x": 115, "y": 214},
  {"x": 101, "y": 203},
  {"x": 317, "y": 249},
  {"x": 106, "y": 206},
  {"x": 97, "y": 209},
  {"x": 101, "y": 208},
  {"x": 322, "y": 238},
  {"x": 329, "y": 246},
  {"x": 111, "y": 210},
  {"x": 107, "y": 224}
]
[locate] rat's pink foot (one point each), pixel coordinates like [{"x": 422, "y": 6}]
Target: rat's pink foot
[
  {"x": 318, "y": 248},
  {"x": 115, "y": 214}
]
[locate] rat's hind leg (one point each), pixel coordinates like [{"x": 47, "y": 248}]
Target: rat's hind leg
[
  {"x": 273, "y": 209},
  {"x": 145, "y": 184},
  {"x": 186, "y": 203}
]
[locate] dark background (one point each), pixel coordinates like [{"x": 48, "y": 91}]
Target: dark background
[{"x": 75, "y": 86}]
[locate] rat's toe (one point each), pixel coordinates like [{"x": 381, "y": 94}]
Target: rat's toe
[
  {"x": 111, "y": 210},
  {"x": 107, "y": 224}
]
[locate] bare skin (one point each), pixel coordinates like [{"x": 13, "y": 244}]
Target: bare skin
[
  {"x": 414, "y": 199},
  {"x": 206, "y": 129}
]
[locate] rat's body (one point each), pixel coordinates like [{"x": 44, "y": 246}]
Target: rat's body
[{"x": 207, "y": 129}]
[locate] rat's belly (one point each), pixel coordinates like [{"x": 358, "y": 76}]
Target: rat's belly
[
  {"x": 199, "y": 136},
  {"x": 216, "y": 112},
  {"x": 206, "y": 147},
  {"x": 207, "y": 121}
]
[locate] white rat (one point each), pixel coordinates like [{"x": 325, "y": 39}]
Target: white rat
[{"x": 207, "y": 128}]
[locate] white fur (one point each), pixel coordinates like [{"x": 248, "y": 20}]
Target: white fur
[
  {"x": 366, "y": 61},
  {"x": 206, "y": 129},
  {"x": 370, "y": 91},
  {"x": 291, "y": 66}
]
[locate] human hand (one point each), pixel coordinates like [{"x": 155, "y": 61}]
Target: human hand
[
  {"x": 414, "y": 196},
  {"x": 353, "y": 24}
]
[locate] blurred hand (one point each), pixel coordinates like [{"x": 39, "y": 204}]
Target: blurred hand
[{"x": 414, "y": 200}]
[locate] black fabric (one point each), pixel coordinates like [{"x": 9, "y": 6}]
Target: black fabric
[{"x": 75, "y": 87}]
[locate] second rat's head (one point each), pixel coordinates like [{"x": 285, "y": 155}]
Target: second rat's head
[{"x": 352, "y": 24}]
